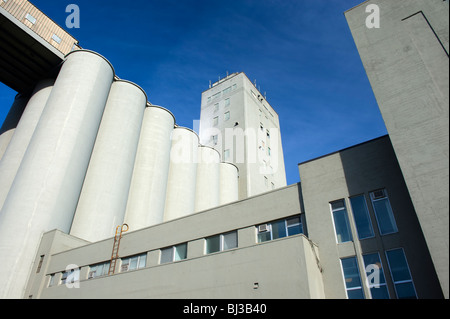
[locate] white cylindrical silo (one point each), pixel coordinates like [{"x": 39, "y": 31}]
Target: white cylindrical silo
[
  {"x": 47, "y": 185},
  {"x": 180, "y": 197},
  {"x": 146, "y": 199},
  {"x": 10, "y": 162},
  {"x": 10, "y": 123},
  {"x": 229, "y": 183},
  {"x": 103, "y": 198},
  {"x": 208, "y": 174}
]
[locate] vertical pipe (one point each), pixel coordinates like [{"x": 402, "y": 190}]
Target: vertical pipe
[
  {"x": 147, "y": 195},
  {"x": 103, "y": 198},
  {"x": 180, "y": 197},
  {"x": 229, "y": 183},
  {"x": 47, "y": 185},
  {"x": 207, "y": 182},
  {"x": 10, "y": 162}
]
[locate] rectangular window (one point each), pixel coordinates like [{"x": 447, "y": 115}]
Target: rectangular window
[
  {"x": 41, "y": 260},
  {"x": 51, "y": 282},
  {"x": 174, "y": 253},
  {"x": 261, "y": 126},
  {"x": 216, "y": 121},
  {"x": 227, "y": 102},
  {"x": 98, "y": 270},
  {"x": 215, "y": 139},
  {"x": 341, "y": 224},
  {"x": 227, "y": 116},
  {"x": 266, "y": 181},
  {"x": 30, "y": 18},
  {"x": 352, "y": 279},
  {"x": 221, "y": 242},
  {"x": 383, "y": 212},
  {"x": 280, "y": 229},
  {"x": 226, "y": 154},
  {"x": 361, "y": 216},
  {"x": 401, "y": 276},
  {"x": 227, "y": 90},
  {"x": 56, "y": 38},
  {"x": 217, "y": 95},
  {"x": 216, "y": 107},
  {"x": 375, "y": 276},
  {"x": 133, "y": 262}
]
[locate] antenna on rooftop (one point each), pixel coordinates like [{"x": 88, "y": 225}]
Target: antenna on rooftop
[{"x": 209, "y": 83}]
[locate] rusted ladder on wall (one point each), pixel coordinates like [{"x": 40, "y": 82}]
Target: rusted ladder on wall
[{"x": 115, "y": 251}]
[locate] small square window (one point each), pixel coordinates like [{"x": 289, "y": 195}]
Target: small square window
[
  {"x": 30, "y": 18},
  {"x": 56, "y": 38}
]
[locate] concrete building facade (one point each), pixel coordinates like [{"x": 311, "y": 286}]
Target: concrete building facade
[
  {"x": 209, "y": 215},
  {"x": 238, "y": 121},
  {"x": 406, "y": 61},
  {"x": 281, "y": 244}
]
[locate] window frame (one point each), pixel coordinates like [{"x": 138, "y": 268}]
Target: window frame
[
  {"x": 361, "y": 287},
  {"x": 400, "y": 282},
  {"x": 381, "y": 284},
  {"x": 138, "y": 262},
  {"x": 221, "y": 242},
  {"x": 392, "y": 217},
  {"x": 347, "y": 219},
  {"x": 173, "y": 253},
  {"x": 286, "y": 228},
  {"x": 366, "y": 215}
]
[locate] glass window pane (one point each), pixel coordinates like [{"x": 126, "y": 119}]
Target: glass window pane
[
  {"x": 361, "y": 215},
  {"x": 279, "y": 229},
  {"x": 374, "y": 260},
  {"x": 293, "y": 221},
  {"x": 180, "y": 252},
  {"x": 385, "y": 216},
  {"x": 355, "y": 294},
  {"x": 398, "y": 265},
  {"x": 133, "y": 263},
  {"x": 166, "y": 255},
  {"x": 405, "y": 291},
  {"x": 264, "y": 236},
  {"x": 213, "y": 244},
  {"x": 341, "y": 223},
  {"x": 351, "y": 273},
  {"x": 142, "y": 260},
  {"x": 379, "y": 293},
  {"x": 230, "y": 240}
]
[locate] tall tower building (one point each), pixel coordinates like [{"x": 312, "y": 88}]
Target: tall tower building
[{"x": 238, "y": 121}]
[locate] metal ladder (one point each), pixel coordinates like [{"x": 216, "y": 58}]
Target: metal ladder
[{"x": 115, "y": 251}]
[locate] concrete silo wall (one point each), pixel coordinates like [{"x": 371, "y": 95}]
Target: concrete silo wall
[
  {"x": 103, "y": 198},
  {"x": 10, "y": 162},
  {"x": 180, "y": 197},
  {"x": 207, "y": 181},
  {"x": 146, "y": 199},
  {"x": 46, "y": 188},
  {"x": 229, "y": 183}
]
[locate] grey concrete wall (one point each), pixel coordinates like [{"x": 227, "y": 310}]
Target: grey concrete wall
[
  {"x": 227, "y": 274},
  {"x": 355, "y": 171},
  {"x": 406, "y": 61}
]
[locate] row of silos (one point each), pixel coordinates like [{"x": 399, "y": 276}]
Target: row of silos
[{"x": 90, "y": 153}]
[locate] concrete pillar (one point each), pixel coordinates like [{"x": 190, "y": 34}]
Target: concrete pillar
[
  {"x": 47, "y": 185},
  {"x": 103, "y": 198},
  {"x": 146, "y": 199},
  {"x": 180, "y": 197},
  {"x": 229, "y": 183},
  {"x": 207, "y": 182},
  {"x": 10, "y": 162}
]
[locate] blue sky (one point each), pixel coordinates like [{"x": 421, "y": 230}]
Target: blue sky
[{"x": 300, "y": 52}]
